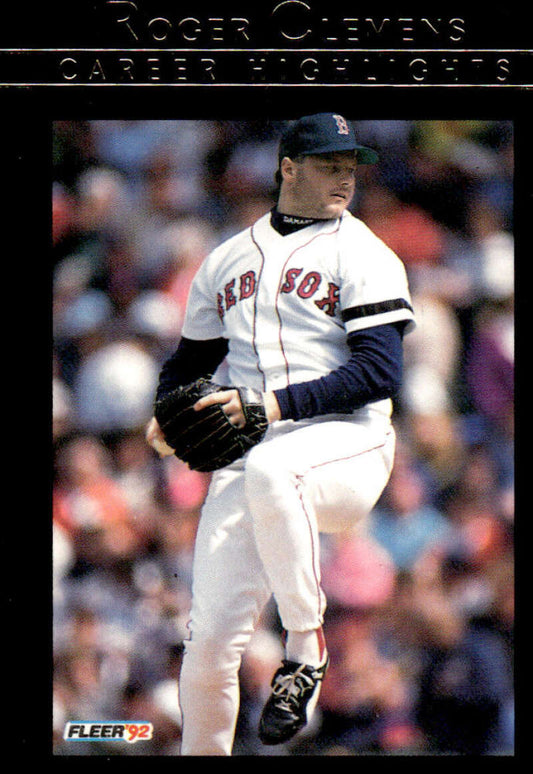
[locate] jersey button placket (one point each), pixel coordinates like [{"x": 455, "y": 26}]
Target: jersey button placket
[{"x": 268, "y": 323}]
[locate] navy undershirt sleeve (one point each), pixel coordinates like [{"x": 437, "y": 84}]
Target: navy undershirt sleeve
[
  {"x": 191, "y": 360},
  {"x": 373, "y": 372}
]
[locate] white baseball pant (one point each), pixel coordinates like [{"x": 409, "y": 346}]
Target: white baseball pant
[{"x": 257, "y": 536}]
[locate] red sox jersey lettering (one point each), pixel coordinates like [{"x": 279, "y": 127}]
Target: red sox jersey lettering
[
  {"x": 226, "y": 300},
  {"x": 307, "y": 287}
]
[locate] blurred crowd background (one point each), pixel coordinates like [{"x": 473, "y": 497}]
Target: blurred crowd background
[{"x": 421, "y": 596}]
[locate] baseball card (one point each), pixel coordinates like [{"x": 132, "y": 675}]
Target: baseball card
[{"x": 264, "y": 277}]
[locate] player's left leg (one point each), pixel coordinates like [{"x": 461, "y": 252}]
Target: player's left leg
[
  {"x": 320, "y": 478},
  {"x": 323, "y": 477}
]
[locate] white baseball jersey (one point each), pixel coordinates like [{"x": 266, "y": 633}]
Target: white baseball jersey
[{"x": 286, "y": 303}]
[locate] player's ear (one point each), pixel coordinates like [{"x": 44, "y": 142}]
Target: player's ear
[{"x": 287, "y": 168}]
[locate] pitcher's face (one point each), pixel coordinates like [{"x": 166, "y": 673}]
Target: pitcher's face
[{"x": 318, "y": 186}]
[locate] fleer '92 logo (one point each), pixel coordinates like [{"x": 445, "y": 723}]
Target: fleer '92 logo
[{"x": 116, "y": 730}]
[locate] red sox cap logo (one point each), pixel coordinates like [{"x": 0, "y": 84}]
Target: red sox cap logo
[{"x": 342, "y": 126}]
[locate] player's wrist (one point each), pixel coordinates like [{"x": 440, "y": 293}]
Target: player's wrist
[{"x": 272, "y": 409}]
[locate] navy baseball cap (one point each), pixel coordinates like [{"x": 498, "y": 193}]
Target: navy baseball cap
[{"x": 323, "y": 133}]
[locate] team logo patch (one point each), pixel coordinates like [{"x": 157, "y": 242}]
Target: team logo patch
[
  {"x": 109, "y": 731},
  {"x": 342, "y": 126}
]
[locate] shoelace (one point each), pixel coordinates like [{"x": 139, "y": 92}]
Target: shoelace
[{"x": 292, "y": 686}]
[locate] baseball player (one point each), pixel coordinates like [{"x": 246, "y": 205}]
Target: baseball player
[{"x": 308, "y": 307}]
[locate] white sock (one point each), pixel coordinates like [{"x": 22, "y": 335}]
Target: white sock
[{"x": 306, "y": 647}]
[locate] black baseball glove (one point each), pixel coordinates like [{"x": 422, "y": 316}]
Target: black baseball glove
[{"x": 206, "y": 439}]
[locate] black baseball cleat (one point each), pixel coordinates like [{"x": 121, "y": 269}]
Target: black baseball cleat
[{"x": 295, "y": 689}]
